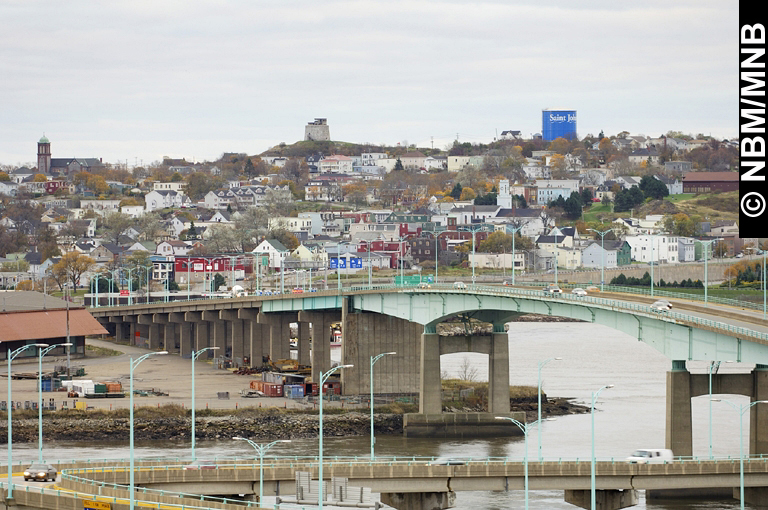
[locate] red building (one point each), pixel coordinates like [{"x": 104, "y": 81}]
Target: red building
[{"x": 710, "y": 182}]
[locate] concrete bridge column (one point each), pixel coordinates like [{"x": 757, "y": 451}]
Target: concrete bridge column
[
  {"x": 236, "y": 340},
  {"x": 758, "y": 415},
  {"x": 252, "y": 335},
  {"x": 321, "y": 339},
  {"x": 217, "y": 333},
  {"x": 303, "y": 344},
  {"x": 430, "y": 389},
  {"x": 498, "y": 372},
  {"x": 419, "y": 500},
  {"x": 109, "y": 324},
  {"x": 185, "y": 332},
  {"x": 154, "y": 341},
  {"x": 604, "y": 499},
  {"x": 279, "y": 333},
  {"x": 679, "y": 428},
  {"x": 169, "y": 331}
]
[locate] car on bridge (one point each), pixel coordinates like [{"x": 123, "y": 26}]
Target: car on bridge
[
  {"x": 553, "y": 289},
  {"x": 578, "y": 291},
  {"x": 651, "y": 456},
  {"x": 200, "y": 464},
  {"x": 40, "y": 473},
  {"x": 661, "y": 305},
  {"x": 447, "y": 461},
  {"x": 460, "y": 285}
]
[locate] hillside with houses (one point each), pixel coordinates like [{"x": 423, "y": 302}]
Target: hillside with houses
[{"x": 319, "y": 206}]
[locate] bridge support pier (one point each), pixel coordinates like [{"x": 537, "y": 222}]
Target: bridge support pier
[
  {"x": 498, "y": 372},
  {"x": 430, "y": 391},
  {"x": 419, "y": 500},
  {"x": 605, "y": 499},
  {"x": 679, "y": 428},
  {"x": 321, "y": 339},
  {"x": 755, "y": 496}
]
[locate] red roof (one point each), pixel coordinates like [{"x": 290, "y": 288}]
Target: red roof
[
  {"x": 42, "y": 324},
  {"x": 711, "y": 176}
]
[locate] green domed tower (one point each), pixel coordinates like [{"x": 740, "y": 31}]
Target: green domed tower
[{"x": 44, "y": 156}]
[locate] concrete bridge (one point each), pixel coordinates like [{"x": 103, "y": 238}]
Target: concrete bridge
[
  {"x": 406, "y": 484},
  {"x": 405, "y": 320}
]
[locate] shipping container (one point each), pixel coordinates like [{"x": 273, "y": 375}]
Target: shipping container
[
  {"x": 272, "y": 390},
  {"x": 311, "y": 389},
  {"x": 294, "y": 390},
  {"x": 332, "y": 388}
]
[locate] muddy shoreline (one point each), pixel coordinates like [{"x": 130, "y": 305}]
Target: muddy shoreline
[{"x": 255, "y": 423}]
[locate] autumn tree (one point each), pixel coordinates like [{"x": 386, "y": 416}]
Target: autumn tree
[{"x": 71, "y": 267}]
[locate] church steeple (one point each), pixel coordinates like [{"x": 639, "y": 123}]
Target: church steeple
[{"x": 44, "y": 156}]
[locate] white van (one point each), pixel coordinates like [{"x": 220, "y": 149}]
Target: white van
[{"x": 651, "y": 456}]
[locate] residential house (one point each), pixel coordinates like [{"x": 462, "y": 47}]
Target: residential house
[
  {"x": 336, "y": 164},
  {"x": 608, "y": 254},
  {"x": 274, "y": 250},
  {"x": 639, "y": 156},
  {"x": 106, "y": 253},
  {"x": 134, "y": 211},
  {"x": 178, "y": 187},
  {"x": 654, "y": 248},
  {"x": 413, "y": 160},
  {"x": 9, "y": 188},
  {"x": 163, "y": 199},
  {"x": 100, "y": 207},
  {"x": 674, "y": 185},
  {"x": 172, "y": 248}
]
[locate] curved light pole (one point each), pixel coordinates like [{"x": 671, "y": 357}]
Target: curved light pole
[
  {"x": 195, "y": 355},
  {"x": 707, "y": 245},
  {"x": 515, "y": 230},
  {"x": 541, "y": 365},
  {"x": 323, "y": 378},
  {"x": 134, "y": 364},
  {"x": 261, "y": 449},
  {"x": 43, "y": 352},
  {"x": 524, "y": 428},
  {"x": 592, "y": 467},
  {"x": 741, "y": 409},
  {"x": 11, "y": 356},
  {"x": 95, "y": 304},
  {"x": 602, "y": 234},
  {"x": 373, "y": 362}
]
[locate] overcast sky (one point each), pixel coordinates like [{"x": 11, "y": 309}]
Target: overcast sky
[{"x": 138, "y": 80}]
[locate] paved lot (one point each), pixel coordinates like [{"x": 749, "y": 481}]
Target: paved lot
[{"x": 170, "y": 374}]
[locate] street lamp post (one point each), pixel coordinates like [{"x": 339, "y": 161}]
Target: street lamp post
[
  {"x": 323, "y": 378},
  {"x": 134, "y": 364},
  {"x": 261, "y": 449},
  {"x": 373, "y": 362},
  {"x": 43, "y": 352},
  {"x": 602, "y": 234},
  {"x": 514, "y": 230},
  {"x": 541, "y": 365},
  {"x": 195, "y": 355},
  {"x": 707, "y": 246},
  {"x": 741, "y": 409},
  {"x": 524, "y": 428},
  {"x": 593, "y": 494},
  {"x": 11, "y": 356}
]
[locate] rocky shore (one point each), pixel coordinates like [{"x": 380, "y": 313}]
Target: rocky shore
[{"x": 259, "y": 424}]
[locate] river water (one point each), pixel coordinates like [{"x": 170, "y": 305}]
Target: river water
[{"x": 630, "y": 415}]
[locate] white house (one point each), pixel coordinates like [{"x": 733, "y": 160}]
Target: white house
[
  {"x": 163, "y": 199},
  {"x": 657, "y": 248},
  {"x": 274, "y": 250},
  {"x": 134, "y": 211}
]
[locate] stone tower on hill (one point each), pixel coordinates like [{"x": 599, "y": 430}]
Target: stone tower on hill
[{"x": 318, "y": 131}]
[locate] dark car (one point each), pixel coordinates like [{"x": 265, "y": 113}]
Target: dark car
[{"x": 40, "y": 472}]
